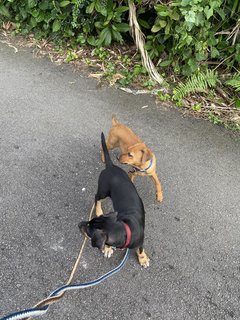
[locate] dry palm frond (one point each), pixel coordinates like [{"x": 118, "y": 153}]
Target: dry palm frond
[
  {"x": 138, "y": 37},
  {"x": 234, "y": 33}
]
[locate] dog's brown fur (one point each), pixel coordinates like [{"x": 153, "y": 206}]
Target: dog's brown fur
[{"x": 134, "y": 152}]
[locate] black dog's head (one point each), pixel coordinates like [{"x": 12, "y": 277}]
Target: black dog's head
[{"x": 104, "y": 230}]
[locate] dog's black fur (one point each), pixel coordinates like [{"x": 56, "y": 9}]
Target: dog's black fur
[{"x": 108, "y": 229}]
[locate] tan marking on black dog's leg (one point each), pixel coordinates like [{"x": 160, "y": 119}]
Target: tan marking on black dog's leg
[
  {"x": 142, "y": 258},
  {"x": 99, "y": 211},
  {"x": 107, "y": 251},
  {"x": 159, "y": 194}
]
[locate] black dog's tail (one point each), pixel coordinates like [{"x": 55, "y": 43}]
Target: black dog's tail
[{"x": 108, "y": 160}]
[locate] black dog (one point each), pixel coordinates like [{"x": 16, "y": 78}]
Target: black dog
[{"x": 125, "y": 227}]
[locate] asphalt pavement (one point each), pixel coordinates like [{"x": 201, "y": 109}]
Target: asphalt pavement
[{"x": 50, "y": 124}]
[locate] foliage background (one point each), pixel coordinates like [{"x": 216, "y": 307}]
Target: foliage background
[
  {"x": 185, "y": 35},
  {"x": 193, "y": 43}
]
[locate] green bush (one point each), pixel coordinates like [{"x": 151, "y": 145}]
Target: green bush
[
  {"x": 193, "y": 33},
  {"x": 187, "y": 36},
  {"x": 98, "y": 22}
]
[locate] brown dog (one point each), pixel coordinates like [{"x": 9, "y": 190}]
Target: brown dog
[{"x": 134, "y": 152}]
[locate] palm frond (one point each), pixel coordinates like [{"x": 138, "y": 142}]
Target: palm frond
[
  {"x": 234, "y": 82},
  {"x": 199, "y": 82}
]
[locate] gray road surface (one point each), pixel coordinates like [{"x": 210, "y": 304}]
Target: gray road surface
[{"x": 50, "y": 124}]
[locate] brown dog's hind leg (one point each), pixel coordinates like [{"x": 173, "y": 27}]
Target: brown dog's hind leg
[
  {"x": 142, "y": 258},
  {"x": 159, "y": 194}
]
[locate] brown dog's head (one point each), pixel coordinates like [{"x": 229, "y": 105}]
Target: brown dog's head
[{"x": 137, "y": 155}]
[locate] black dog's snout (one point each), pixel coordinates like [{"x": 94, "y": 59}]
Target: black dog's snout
[{"x": 82, "y": 226}]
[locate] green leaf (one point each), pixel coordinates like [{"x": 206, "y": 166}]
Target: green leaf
[
  {"x": 237, "y": 104},
  {"x": 98, "y": 25},
  {"x": 56, "y": 26},
  {"x": 162, "y": 23},
  {"x": 190, "y": 17},
  {"x": 192, "y": 64},
  {"x": 4, "y": 11},
  {"x": 90, "y": 8},
  {"x": 35, "y": 13},
  {"x": 159, "y": 7},
  {"x": 208, "y": 12},
  {"x": 101, "y": 9},
  {"x": 64, "y": 3},
  {"x": 199, "y": 20},
  {"x": 221, "y": 13},
  {"x": 163, "y": 13},
  {"x": 148, "y": 46},
  {"x": 156, "y": 28},
  {"x": 105, "y": 37},
  {"x": 165, "y": 63},
  {"x": 161, "y": 10},
  {"x": 174, "y": 15},
  {"x": 214, "y": 53},
  {"x": 122, "y": 27},
  {"x": 121, "y": 9},
  {"x": 117, "y": 36},
  {"x": 92, "y": 41},
  {"x": 200, "y": 56},
  {"x": 167, "y": 29},
  {"x": 33, "y": 22},
  {"x": 32, "y": 3},
  {"x": 40, "y": 17},
  {"x": 143, "y": 23},
  {"x": 43, "y": 5},
  {"x": 23, "y": 12},
  {"x": 184, "y": 3}
]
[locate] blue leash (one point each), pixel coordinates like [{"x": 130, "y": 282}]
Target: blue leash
[{"x": 34, "y": 312}]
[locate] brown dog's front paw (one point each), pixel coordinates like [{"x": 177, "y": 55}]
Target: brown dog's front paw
[
  {"x": 159, "y": 196},
  {"x": 107, "y": 251},
  {"x": 143, "y": 259},
  {"x": 131, "y": 176}
]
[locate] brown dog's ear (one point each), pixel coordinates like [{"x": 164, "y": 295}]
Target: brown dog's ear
[
  {"x": 146, "y": 155},
  {"x": 99, "y": 238}
]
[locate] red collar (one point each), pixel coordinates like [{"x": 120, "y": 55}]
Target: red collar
[{"x": 129, "y": 235}]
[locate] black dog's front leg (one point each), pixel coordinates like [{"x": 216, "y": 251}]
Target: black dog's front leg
[
  {"x": 142, "y": 257},
  {"x": 98, "y": 206}
]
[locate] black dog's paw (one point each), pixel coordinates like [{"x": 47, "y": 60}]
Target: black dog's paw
[
  {"x": 143, "y": 259},
  {"x": 108, "y": 251}
]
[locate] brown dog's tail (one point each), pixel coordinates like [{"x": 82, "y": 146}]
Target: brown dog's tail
[
  {"x": 114, "y": 120},
  {"x": 107, "y": 158}
]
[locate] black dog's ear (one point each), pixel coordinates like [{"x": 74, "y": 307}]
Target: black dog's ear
[
  {"x": 112, "y": 215},
  {"x": 99, "y": 239}
]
